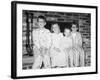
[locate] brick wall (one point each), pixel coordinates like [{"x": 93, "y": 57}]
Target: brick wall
[{"x": 83, "y": 20}]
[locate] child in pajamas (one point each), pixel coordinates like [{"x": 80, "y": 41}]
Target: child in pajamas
[
  {"x": 66, "y": 45},
  {"x": 77, "y": 40},
  {"x": 58, "y": 57},
  {"x": 42, "y": 43}
]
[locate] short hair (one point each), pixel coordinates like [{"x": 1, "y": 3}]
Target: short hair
[
  {"x": 52, "y": 26},
  {"x": 67, "y": 28},
  {"x": 77, "y": 26},
  {"x": 41, "y": 17},
  {"x": 74, "y": 23}
]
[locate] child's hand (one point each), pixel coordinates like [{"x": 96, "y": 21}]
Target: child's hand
[
  {"x": 43, "y": 51},
  {"x": 57, "y": 49},
  {"x": 67, "y": 49}
]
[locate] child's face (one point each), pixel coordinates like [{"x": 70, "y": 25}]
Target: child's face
[
  {"x": 74, "y": 28},
  {"x": 67, "y": 32},
  {"x": 56, "y": 28},
  {"x": 41, "y": 23}
]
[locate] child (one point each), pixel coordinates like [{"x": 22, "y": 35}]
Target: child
[
  {"x": 77, "y": 39},
  {"x": 67, "y": 47},
  {"x": 58, "y": 58},
  {"x": 42, "y": 43}
]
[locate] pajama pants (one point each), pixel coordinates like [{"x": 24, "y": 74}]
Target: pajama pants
[
  {"x": 79, "y": 57},
  {"x": 76, "y": 57},
  {"x": 72, "y": 57},
  {"x": 41, "y": 56},
  {"x": 58, "y": 58}
]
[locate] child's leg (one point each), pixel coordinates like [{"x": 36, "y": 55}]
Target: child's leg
[
  {"x": 67, "y": 59},
  {"x": 71, "y": 58},
  {"x": 37, "y": 58},
  {"x": 46, "y": 58},
  {"x": 76, "y": 58},
  {"x": 82, "y": 58},
  {"x": 38, "y": 62},
  {"x": 46, "y": 61}
]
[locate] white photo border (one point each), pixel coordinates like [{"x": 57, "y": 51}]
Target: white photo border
[{"x": 17, "y": 8}]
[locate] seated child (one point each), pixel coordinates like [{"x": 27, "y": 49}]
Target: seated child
[
  {"x": 77, "y": 40},
  {"x": 58, "y": 58},
  {"x": 67, "y": 47}
]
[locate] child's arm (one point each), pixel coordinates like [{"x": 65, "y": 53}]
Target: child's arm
[
  {"x": 71, "y": 43},
  {"x": 79, "y": 39},
  {"x": 35, "y": 38},
  {"x": 48, "y": 39}
]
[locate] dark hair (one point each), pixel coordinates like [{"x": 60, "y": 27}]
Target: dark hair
[
  {"x": 65, "y": 29},
  {"x": 52, "y": 26},
  {"x": 77, "y": 26},
  {"x": 74, "y": 23},
  {"x": 41, "y": 17}
]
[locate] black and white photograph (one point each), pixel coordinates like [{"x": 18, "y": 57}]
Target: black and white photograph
[
  {"x": 53, "y": 39},
  {"x": 56, "y": 40}
]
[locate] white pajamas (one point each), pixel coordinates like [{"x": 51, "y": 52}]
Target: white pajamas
[
  {"x": 67, "y": 47},
  {"x": 42, "y": 43},
  {"x": 79, "y": 57},
  {"x": 58, "y": 57}
]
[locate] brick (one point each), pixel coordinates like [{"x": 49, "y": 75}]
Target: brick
[
  {"x": 84, "y": 18},
  {"x": 43, "y": 12},
  {"x": 60, "y": 19},
  {"x": 85, "y": 24},
  {"x": 76, "y": 17},
  {"x": 24, "y": 19},
  {"x": 24, "y": 25},
  {"x": 51, "y": 19},
  {"x": 68, "y": 14},
  {"x": 76, "y": 14},
  {"x": 24, "y": 68},
  {"x": 88, "y": 15},
  {"x": 38, "y": 14},
  {"x": 82, "y": 26},
  {"x": 57, "y": 16},
  {"x": 88, "y": 21},
  {"x": 83, "y": 14},
  {"x": 49, "y": 15},
  {"x": 30, "y": 67},
  {"x": 60, "y": 13}
]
